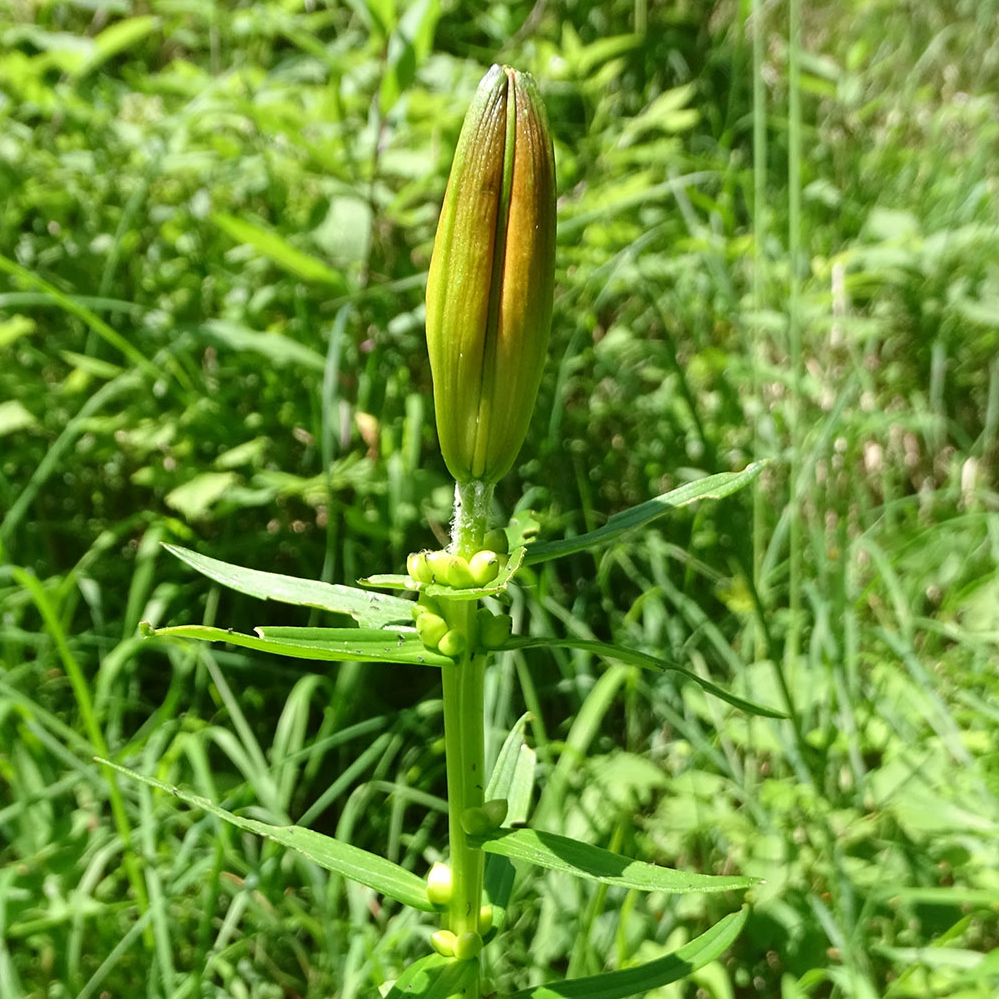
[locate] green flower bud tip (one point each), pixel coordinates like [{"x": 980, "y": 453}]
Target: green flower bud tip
[
  {"x": 485, "y": 919},
  {"x": 491, "y": 280},
  {"x": 444, "y": 941},
  {"x": 439, "y": 887}
]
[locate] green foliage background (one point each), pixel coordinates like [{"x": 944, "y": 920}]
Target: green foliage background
[{"x": 215, "y": 225}]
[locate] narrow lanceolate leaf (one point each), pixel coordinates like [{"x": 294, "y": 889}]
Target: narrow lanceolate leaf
[
  {"x": 331, "y": 854},
  {"x": 713, "y": 487},
  {"x": 337, "y": 645},
  {"x": 569, "y": 856},
  {"x": 637, "y": 981},
  {"x": 369, "y": 610},
  {"x": 512, "y": 780},
  {"x": 435, "y": 977},
  {"x": 618, "y": 653}
]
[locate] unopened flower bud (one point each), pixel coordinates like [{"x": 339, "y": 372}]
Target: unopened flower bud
[{"x": 490, "y": 287}]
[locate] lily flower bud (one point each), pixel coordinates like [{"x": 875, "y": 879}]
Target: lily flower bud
[{"x": 491, "y": 281}]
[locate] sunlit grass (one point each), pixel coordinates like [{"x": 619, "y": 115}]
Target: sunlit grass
[{"x": 861, "y": 586}]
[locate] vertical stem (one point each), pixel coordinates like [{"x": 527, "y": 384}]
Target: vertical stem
[
  {"x": 464, "y": 746},
  {"x": 471, "y": 516},
  {"x": 464, "y": 710}
]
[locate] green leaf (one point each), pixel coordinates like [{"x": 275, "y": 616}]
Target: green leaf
[
  {"x": 618, "y": 653},
  {"x": 512, "y": 779},
  {"x": 331, "y": 854},
  {"x": 367, "y": 645},
  {"x": 700, "y": 951},
  {"x": 569, "y": 856},
  {"x": 276, "y": 248},
  {"x": 14, "y": 417},
  {"x": 194, "y": 498},
  {"x": 434, "y": 977},
  {"x": 513, "y": 774},
  {"x": 369, "y": 610},
  {"x": 115, "y": 39},
  {"x": 712, "y": 487},
  {"x": 275, "y": 347},
  {"x": 498, "y": 585}
]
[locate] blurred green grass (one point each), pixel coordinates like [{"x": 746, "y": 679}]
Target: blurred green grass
[{"x": 215, "y": 225}]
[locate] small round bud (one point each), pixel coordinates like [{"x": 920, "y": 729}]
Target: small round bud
[
  {"x": 431, "y": 629},
  {"x": 496, "y": 541},
  {"x": 444, "y": 942},
  {"x": 458, "y": 574},
  {"x": 467, "y": 946},
  {"x": 484, "y": 567},
  {"x": 452, "y": 644},
  {"x": 417, "y": 567},
  {"x": 496, "y": 809},
  {"x": 413, "y": 565},
  {"x": 485, "y": 919},
  {"x": 439, "y": 884},
  {"x": 484, "y": 818},
  {"x": 437, "y": 566},
  {"x": 494, "y": 632}
]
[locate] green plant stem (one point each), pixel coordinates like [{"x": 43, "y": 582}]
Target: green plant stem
[
  {"x": 464, "y": 746},
  {"x": 471, "y": 516},
  {"x": 464, "y": 711}
]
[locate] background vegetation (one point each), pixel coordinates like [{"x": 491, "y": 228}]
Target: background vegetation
[{"x": 778, "y": 238}]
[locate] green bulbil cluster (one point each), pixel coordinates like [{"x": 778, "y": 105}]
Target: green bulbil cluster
[
  {"x": 463, "y": 947},
  {"x": 445, "y": 629}
]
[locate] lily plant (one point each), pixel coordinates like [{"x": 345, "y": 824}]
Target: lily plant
[{"x": 489, "y": 310}]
